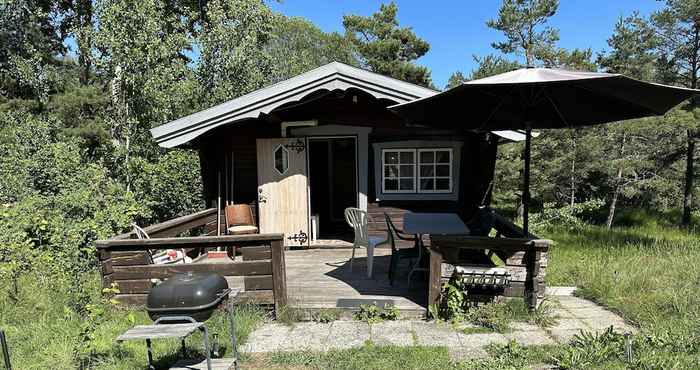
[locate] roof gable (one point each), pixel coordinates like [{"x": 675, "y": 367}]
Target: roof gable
[{"x": 332, "y": 76}]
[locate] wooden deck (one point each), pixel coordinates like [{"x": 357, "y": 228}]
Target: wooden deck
[{"x": 320, "y": 279}]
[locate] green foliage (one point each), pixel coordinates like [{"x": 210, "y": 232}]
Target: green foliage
[
  {"x": 385, "y": 47},
  {"x": 370, "y": 313},
  {"x": 325, "y": 315},
  {"x": 590, "y": 349},
  {"x": 289, "y": 315},
  {"x": 232, "y": 49},
  {"x": 171, "y": 186},
  {"x": 567, "y": 216},
  {"x": 297, "y": 45},
  {"x": 44, "y": 332},
  {"x": 522, "y": 23}
]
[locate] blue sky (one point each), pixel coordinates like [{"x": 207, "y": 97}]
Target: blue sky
[{"x": 456, "y": 29}]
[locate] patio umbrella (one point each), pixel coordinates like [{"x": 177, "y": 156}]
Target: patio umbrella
[{"x": 542, "y": 98}]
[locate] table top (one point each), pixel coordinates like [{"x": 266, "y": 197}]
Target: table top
[
  {"x": 434, "y": 223},
  {"x": 160, "y": 331}
]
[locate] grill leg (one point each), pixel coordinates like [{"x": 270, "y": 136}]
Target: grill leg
[
  {"x": 234, "y": 348},
  {"x": 150, "y": 354},
  {"x": 207, "y": 350}
]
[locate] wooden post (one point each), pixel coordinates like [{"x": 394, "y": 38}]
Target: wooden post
[
  {"x": 106, "y": 270},
  {"x": 434, "y": 286},
  {"x": 279, "y": 274}
]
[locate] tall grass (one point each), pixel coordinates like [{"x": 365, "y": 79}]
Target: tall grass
[
  {"x": 650, "y": 275},
  {"x": 44, "y": 333}
]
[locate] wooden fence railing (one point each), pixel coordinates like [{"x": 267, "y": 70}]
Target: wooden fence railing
[
  {"x": 524, "y": 258},
  {"x": 126, "y": 261}
]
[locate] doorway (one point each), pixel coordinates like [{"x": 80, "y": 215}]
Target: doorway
[{"x": 333, "y": 183}]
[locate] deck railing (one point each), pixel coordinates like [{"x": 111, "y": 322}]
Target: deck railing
[{"x": 126, "y": 260}]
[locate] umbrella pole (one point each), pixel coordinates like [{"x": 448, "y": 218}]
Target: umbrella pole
[
  {"x": 526, "y": 183},
  {"x": 530, "y": 285}
]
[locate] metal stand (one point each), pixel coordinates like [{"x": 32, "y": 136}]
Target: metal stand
[
  {"x": 203, "y": 328},
  {"x": 6, "y": 351}
]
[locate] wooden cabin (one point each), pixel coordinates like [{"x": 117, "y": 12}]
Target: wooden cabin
[{"x": 302, "y": 150}]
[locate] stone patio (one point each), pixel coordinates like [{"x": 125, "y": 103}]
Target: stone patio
[{"x": 574, "y": 314}]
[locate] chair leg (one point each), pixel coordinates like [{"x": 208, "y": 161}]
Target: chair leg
[{"x": 352, "y": 257}]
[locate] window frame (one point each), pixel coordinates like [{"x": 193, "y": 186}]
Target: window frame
[
  {"x": 416, "y": 170},
  {"x": 398, "y": 178},
  {"x": 435, "y": 176}
]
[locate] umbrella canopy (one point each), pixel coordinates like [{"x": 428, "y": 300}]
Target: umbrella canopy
[{"x": 543, "y": 98}]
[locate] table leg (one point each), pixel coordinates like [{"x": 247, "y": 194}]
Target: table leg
[
  {"x": 370, "y": 259},
  {"x": 419, "y": 242},
  {"x": 149, "y": 348}
]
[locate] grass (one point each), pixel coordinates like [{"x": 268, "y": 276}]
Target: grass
[
  {"x": 649, "y": 275},
  {"x": 44, "y": 334}
]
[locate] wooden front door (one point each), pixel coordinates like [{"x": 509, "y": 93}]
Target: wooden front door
[{"x": 282, "y": 189}]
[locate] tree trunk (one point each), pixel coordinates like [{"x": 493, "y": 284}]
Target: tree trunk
[
  {"x": 572, "y": 200},
  {"x": 618, "y": 181},
  {"x": 689, "y": 174},
  {"x": 613, "y": 202}
]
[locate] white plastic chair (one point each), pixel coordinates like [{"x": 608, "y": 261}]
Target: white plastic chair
[{"x": 357, "y": 219}]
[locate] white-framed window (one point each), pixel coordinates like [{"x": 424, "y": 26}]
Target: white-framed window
[
  {"x": 435, "y": 170},
  {"x": 426, "y": 170},
  {"x": 399, "y": 171}
]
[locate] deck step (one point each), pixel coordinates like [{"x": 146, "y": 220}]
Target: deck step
[{"x": 196, "y": 364}]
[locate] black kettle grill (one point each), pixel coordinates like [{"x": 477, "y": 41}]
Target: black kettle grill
[{"x": 191, "y": 294}]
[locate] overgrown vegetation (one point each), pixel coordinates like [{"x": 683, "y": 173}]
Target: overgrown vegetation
[
  {"x": 371, "y": 313},
  {"x": 456, "y": 307},
  {"x": 45, "y": 333}
]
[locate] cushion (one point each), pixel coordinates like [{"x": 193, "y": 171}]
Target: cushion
[{"x": 242, "y": 229}]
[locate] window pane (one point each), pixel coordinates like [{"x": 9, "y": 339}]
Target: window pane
[
  {"x": 443, "y": 156},
  {"x": 442, "y": 184},
  {"x": 443, "y": 170},
  {"x": 406, "y": 171},
  {"x": 427, "y": 171},
  {"x": 427, "y": 157},
  {"x": 406, "y": 184},
  {"x": 391, "y": 184},
  {"x": 426, "y": 184},
  {"x": 406, "y": 157},
  {"x": 391, "y": 157},
  {"x": 391, "y": 171}
]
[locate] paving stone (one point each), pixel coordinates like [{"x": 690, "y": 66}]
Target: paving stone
[
  {"x": 590, "y": 312},
  {"x": 523, "y": 326},
  {"x": 267, "y": 338},
  {"x": 530, "y": 338},
  {"x": 563, "y": 335},
  {"x": 562, "y": 313},
  {"x": 398, "y": 333},
  {"x": 434, "y": 334},
  {"x": 309, "y": 336},
  {"x": 569, "y": 324},
  {"x": 347, "y": 334},
  {"x": 471, "y": 341},
  {"x": 599, "y": 324},
  {"x": 575, "y": 303}
]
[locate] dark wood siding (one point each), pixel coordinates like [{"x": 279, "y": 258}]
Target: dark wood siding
[{"x": 349, "y": 108}]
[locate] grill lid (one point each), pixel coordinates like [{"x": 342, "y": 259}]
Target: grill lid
[{"x": 187, "y": 292}]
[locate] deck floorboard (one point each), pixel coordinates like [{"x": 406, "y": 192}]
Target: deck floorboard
[{"x": 321, "y": 279}]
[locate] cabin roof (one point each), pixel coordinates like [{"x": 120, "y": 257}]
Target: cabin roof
[{"x": 330, "y": 77}]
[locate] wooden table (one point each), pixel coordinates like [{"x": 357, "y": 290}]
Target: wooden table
[{"x": 432, "y": 224}]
